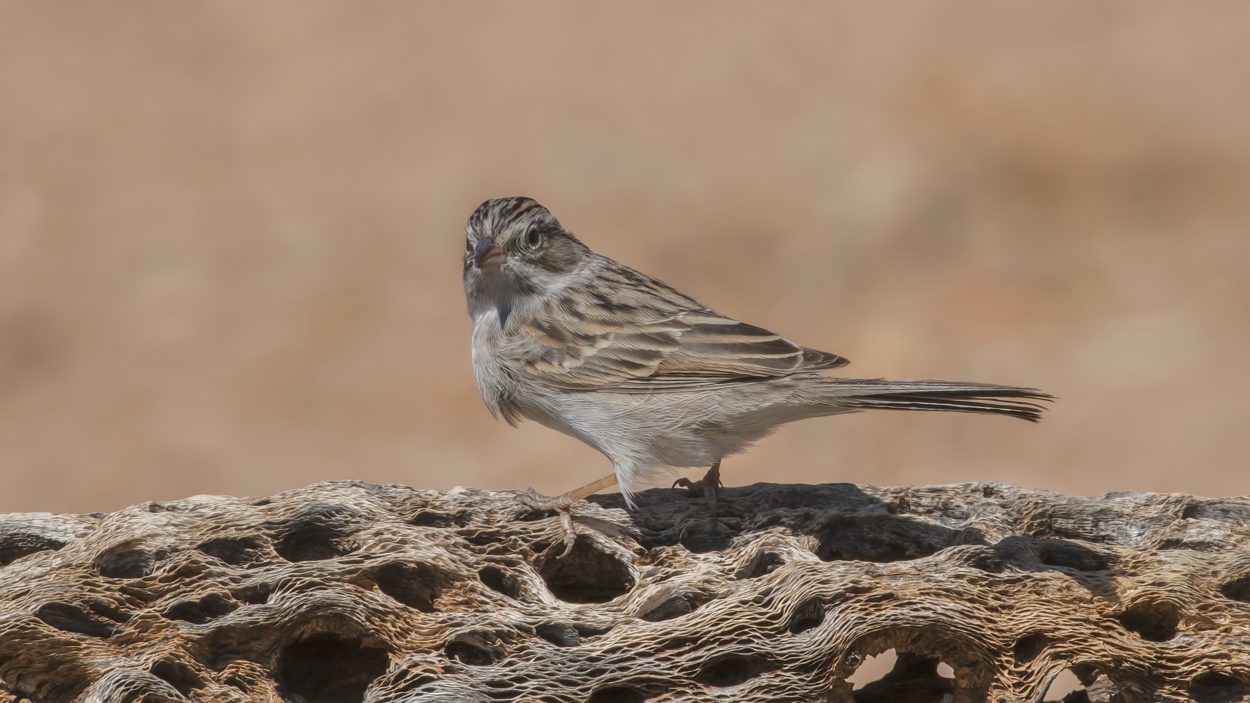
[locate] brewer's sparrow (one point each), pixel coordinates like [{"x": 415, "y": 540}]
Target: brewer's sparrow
[{"x": 648, "y": 376}]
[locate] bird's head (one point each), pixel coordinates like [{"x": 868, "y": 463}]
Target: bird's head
[{"x": 517, "y": 242}]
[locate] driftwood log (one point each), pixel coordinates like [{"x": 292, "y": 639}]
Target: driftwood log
[{"x": 350, "y": 591}]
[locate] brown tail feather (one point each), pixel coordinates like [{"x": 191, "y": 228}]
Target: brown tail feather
[{"x": 950, "y": 396}]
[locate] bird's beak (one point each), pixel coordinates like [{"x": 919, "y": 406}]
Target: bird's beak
[{"x": 487, "y": 255}]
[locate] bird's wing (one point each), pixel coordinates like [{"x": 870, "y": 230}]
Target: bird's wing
[{"x": 629, "y": 333}]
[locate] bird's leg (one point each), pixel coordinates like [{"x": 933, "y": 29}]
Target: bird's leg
[
  {"x": 562, "y": 503},
  {"x": 709, "y": 485}
]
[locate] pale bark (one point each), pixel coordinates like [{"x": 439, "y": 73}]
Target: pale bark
[{"x": 343, "y": 591}]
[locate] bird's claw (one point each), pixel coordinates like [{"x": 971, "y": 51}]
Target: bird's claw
[
  {"x": 688, "y": 484},
  {"x": 561, "y": 504},
  {"x": 697, "y": 488},
  {"x": 570, "y": 535},
  {"x": 707, "y": 486}
]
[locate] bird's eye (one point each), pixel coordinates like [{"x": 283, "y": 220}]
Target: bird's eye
[{"x": 533, "y": 238}]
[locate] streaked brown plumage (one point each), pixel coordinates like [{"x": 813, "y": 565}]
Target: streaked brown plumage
[{"x": 647, "y": 375}]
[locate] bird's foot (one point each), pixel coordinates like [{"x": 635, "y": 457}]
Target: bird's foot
[
  {"x": 709, "y": 486},
  {"x": 563, "y": 504},
  {"x": 537, "y": 501}
]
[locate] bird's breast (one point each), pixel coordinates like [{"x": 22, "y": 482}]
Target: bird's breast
[{"x": 488, "y": 364}]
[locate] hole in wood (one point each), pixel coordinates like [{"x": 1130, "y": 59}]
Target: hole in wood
[
  {"x": 731, "y": 670},
  {"x": 760, "y": 564},
  {"x": 1029, "y": 646},
  {"x": 500, "y": 581},
  {"x": 330, "y": 668},
  {"x": 125, "y": 563},
  {"x": 17, "y": 544},
  {"x": 71, "y": 618},
  {"x": 586, "y": 575},
  {"x": 558, "y": 633},
  {"x": 1218, "y": 687},
  {"x": 210, "y": 607},
  {"x": 1069, "y": 555},
  {"x": 235, "y": 551},
  {"x": 474, "y": 649},
  {"x": 809, "y": 614},
  {"x": 1156, "y": 622},
  {"x": 317, "y": 531},
  {"x": 178, "y": 675},
  {"x": 1063, "y": 686},
  {"x": 415, "y": 585},
  {"x": 1070, "y": 686},
  {"x": 312, "y": 543},
  {"x": 1237, "y": 589},
  {"x": 1216, "y": 510},
  {"x": 912, "y": 677},
  {"x": 873, "y": 668}
]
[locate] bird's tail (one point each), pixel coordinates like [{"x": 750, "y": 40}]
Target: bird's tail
[{"x": 953, "y": 396}]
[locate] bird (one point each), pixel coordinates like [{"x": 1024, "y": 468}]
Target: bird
[{"x": 650, "y": 377}]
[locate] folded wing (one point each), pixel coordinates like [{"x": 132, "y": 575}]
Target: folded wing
[{"x": 630, "y": 333}]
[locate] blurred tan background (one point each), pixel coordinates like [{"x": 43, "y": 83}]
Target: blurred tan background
[{"x": 230, "y": 233}]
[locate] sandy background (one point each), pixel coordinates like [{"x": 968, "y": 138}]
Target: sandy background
[{"x": 230, "y": 233}]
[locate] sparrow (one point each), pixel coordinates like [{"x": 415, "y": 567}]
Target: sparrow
[{"x": 647, "y": 375}]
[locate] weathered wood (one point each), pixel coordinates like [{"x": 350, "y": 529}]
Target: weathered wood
[{"x": 347, "y": 590}]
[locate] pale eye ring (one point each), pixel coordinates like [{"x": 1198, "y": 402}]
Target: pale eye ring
[{"x": 533, "y": 238}]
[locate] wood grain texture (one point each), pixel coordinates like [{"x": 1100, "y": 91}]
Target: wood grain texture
[{"x": 348, "y": 591}]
